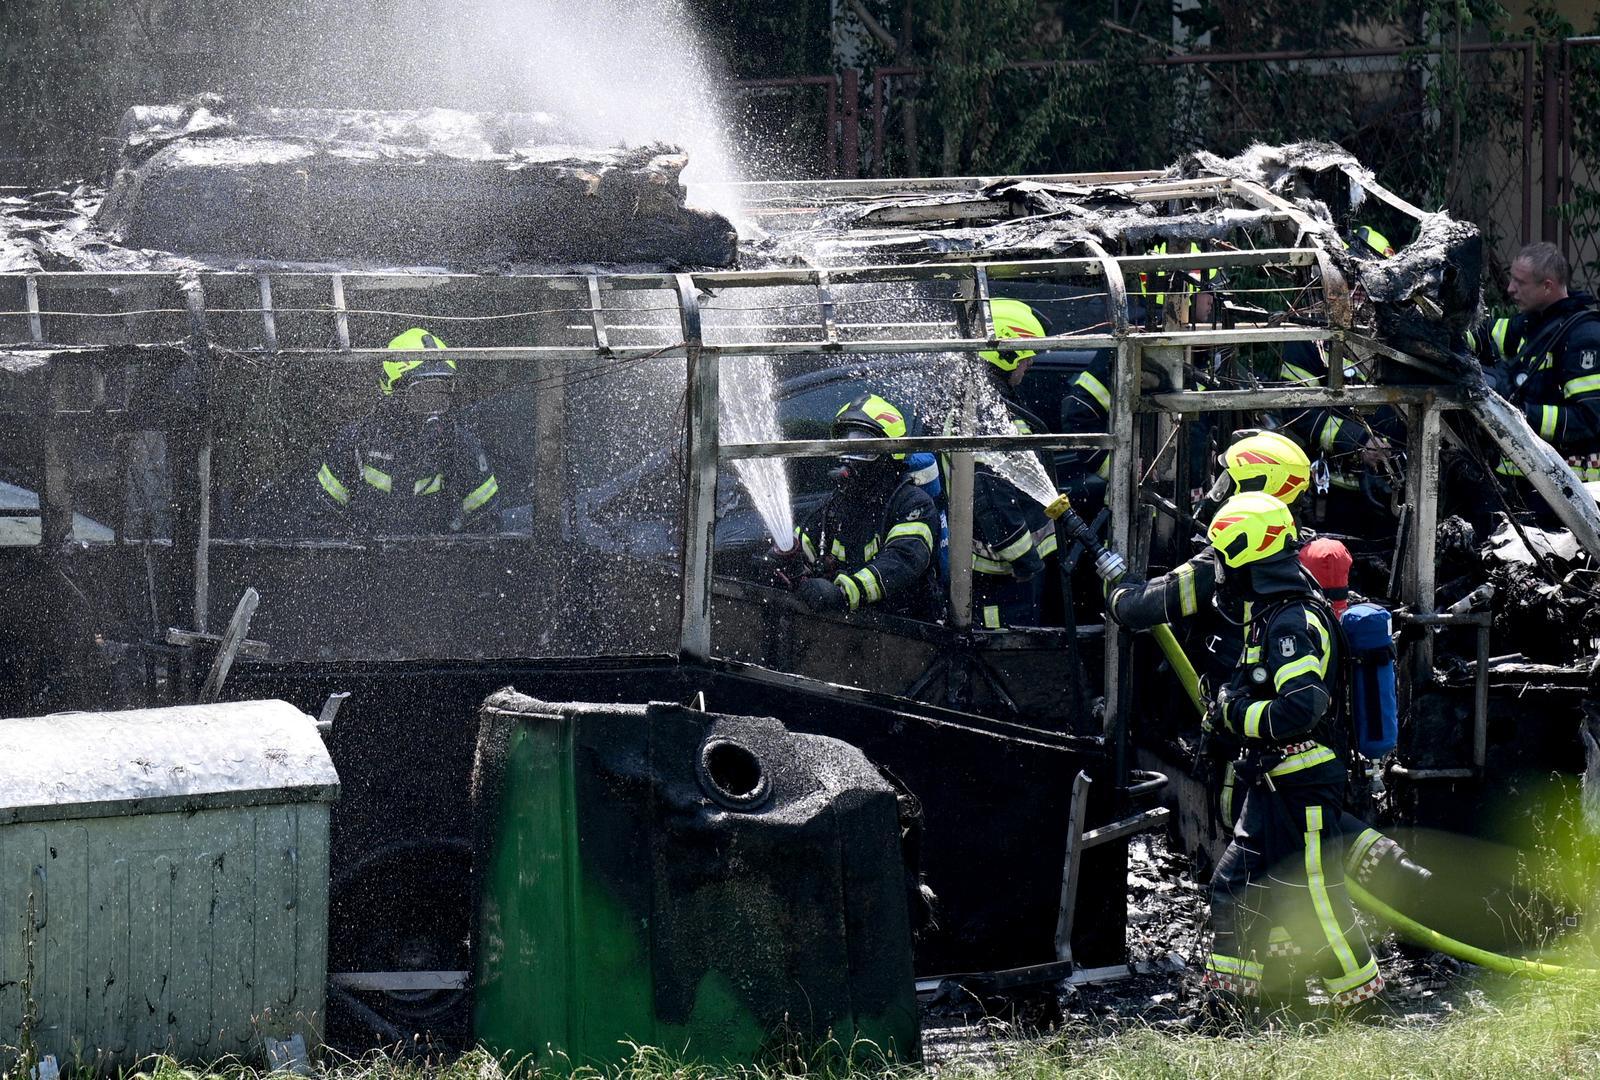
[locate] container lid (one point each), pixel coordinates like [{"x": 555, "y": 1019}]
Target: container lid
[{"x": 188, "y": 757}]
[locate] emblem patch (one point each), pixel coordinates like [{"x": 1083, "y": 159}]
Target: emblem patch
[
  {"x": 1586, "y": 361},
  {"x": 1286, "y": 645}
]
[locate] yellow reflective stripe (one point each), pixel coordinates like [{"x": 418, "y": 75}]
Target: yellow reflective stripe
[
  {"x": 1103, "y": 470},
  {"x": 330, "y": 483},
  {"x": 1016, "y": 549},
  {"x": 480, "y": 495},
  {"x": 1295, "y": 373},
  {"x": 1507, "y": 468},
  {"x": 1360, "y": 977},
  {"x": 1574, "y": 387},
  {"x": 991, "y": 616},
  {"x": 1319, "y": 895},
  {"x": 1305, "y": 665},
  {"x": 1325, "y": 648},
  {"x": 1363, "y": 844},
  {"x": 1226, "y": 801},
  {"x": 1330, "y": 432},
  {"x": 837, "y": 550},
  {"x": 806, "y": 545},
  {"x": 1187, "y": 604},
  {"x": 431, "y": 485},
  {"x": 1549, "y": 417},
  {"x": 919, "y": 529},
  {"x": 376, "y": 477},
  {"x": 870, "y": 550},
  {"x": 1304, "y": 760},
  {"x": 852, "y": 591},
  {"x": 1047, "y": 545},
  {"x": 1252, "y": 654},
  {"x": 990, "y": 566},
  {"x": 1233, "y": 965},
  {"x": 869, "y": 584},
  {"x": 1252, "y": 719},
  {"x": 1498, "y": 332},
  {"x": 1097, "y": 390}
]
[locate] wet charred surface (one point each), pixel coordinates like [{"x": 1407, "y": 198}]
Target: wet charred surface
[{"x": 1166, "y": 918}]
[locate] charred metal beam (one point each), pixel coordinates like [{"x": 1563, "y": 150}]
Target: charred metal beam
[
  {"x": 700, "y": 483},
  {"x": 1301, "y": 397}
]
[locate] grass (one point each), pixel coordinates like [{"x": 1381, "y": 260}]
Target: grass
[{"x": 1537, "y": 1030}]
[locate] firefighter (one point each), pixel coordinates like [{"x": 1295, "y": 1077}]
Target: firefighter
[
  {"x": 872, "y": 541},
  {"x": 1011, "y": 537},
  {"x": 411, "y": 467},
  {"x": 1285, "y": 864},
  {"x": 1552, "y": 350}
]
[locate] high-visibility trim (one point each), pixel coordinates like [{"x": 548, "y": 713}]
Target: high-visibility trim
[
  {"x": 1498, "y": 332},
  {"x": 1252, "y": 719},
  {"x": 870, "y": 551},
  {"x": 1226, "y": 801},
  {"x": 1187, "y": 603},
  {"x": 1361, "y": 976},
  {"x": 330, "y": 483},
  {"x": 926, "y": 475},
  {"x": 983, "y": 565},
  {"x": 919, "y": 529},
  {"x": 1233, "y": 965},
  {"x": 1507, "y": 468},
  {"x": 1047, "y": 544},
  {"x": 1097, "y": 389},
  {"x": 1362, "y": 845},
  {"x": 1549, "y": 420},
  {"x": 852, "y": 591},
  {"x": 1103, "y": 470},
  {"x": 838, "y": 551},
  {"x": 1016, "y": 549},
  {"x": 1306, "y": 759},
  {"x": 1325, "y": 641},
  {"x": 1304, "y": 665},
  {"x": 870, "y": 585},
  {"x": 806, "y": 545},
  {"x": 1317, "y": 885},
  {"x": 377, "y": 478},
  {"x": 480, "y": 495},
  {"x": 1297, "y": 374},
  {"x": 428, "y": 485},
  {"x": 1330, "y": 431},
  {"x": 1581, "y": 385},
  {"x": 991, "y": 616},
  {"x": 1252, "y": 654}
]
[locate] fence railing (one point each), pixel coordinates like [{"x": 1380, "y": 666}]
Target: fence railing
[{"x": 1505, "y": 134}]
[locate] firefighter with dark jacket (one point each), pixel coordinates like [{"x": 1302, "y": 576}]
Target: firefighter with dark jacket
[
  {"x": 412, "y": 467},
  {"x": 1285, "y": 864},
  {"x": 872, "y": 541},
  {"x": 1552, "y": 359},
  {"x": 1011, "y": 537}
]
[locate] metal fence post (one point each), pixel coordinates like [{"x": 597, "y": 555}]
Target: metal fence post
[
  {"x": 1550, "y": 133},
  {"x": 850, "y": 125}
]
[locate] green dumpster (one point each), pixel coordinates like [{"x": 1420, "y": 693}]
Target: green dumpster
[{"x": 714, "y": 886}]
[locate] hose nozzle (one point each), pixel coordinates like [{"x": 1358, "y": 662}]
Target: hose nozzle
[
  {"x": 1110, "y": 566},
  {"x": 1061, "y": 505}
]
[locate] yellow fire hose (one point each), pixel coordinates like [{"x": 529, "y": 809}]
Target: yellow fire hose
[{"x": 1408, "y": 927}]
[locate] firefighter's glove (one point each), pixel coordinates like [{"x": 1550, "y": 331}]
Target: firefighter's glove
[
  {"x": 1217, "y": 714},
  {"x": 820, "y": 594}
]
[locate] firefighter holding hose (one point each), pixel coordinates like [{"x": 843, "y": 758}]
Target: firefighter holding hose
[
  {"x": 871, "y": 543},
  {"x": 1285, "y": 865}
]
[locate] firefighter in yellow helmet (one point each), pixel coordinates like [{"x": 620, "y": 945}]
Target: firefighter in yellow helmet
[
  {"x": 1285, "y": 865},
  {"x": 871, "y": 543},
  {"x": 412, "y": 466}
]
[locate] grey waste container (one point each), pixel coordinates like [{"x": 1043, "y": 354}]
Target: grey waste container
[{"x": 163, "y": 881}]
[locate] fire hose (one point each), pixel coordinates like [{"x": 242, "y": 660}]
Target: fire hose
[{"x": 1112, "y": 568}]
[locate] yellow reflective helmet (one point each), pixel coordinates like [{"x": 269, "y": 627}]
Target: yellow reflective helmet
[
  {"x": 1012, "y": 319},
  {"x": 1268, "y": 462},
  {"x": 396, "y": 370},
  {"x": 1251, "y": 527},
  {"x": 1375, "y": 240},
  {"x": 871, "y": 417}
]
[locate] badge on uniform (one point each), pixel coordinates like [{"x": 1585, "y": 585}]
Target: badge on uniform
[
  {"x": 1586, "y": 360},
  {"x": 1286, "y": 645}
]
